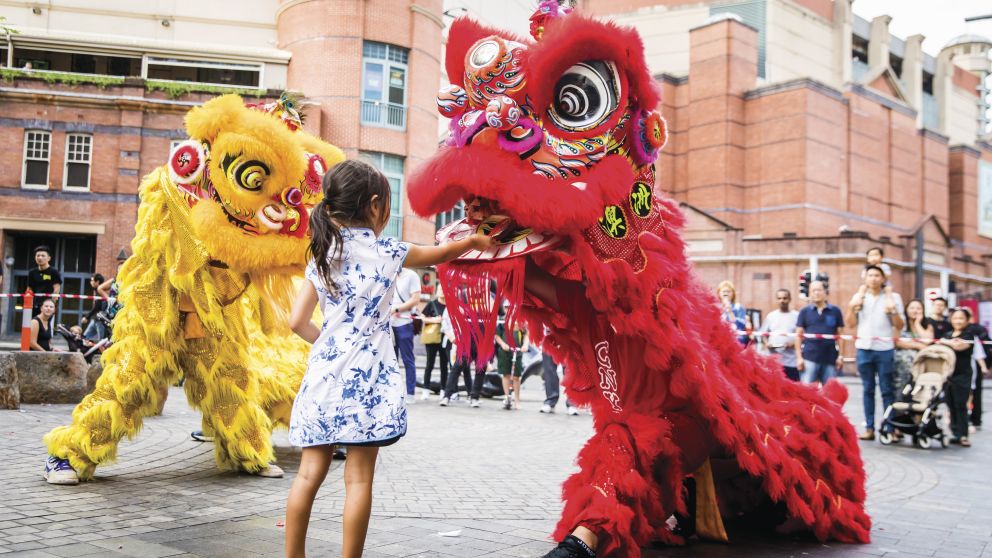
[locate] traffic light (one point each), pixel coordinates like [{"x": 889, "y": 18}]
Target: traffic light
[
  {"x": 825, "y": 279},
  {"x": 804, "y": 280}
]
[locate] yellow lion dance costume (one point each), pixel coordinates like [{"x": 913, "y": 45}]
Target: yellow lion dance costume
[{"x": 221, "y": 233}]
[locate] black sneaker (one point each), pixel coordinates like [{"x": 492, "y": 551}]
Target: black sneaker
[{"x": 571, "y": 547}]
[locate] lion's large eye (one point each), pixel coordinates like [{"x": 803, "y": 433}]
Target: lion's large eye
[
  {"x": 585, "y": 96},
  {"x": 250, "y": 175}
]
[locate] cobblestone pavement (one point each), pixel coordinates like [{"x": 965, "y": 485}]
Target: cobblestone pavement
[{"x": 464, "y": 482}]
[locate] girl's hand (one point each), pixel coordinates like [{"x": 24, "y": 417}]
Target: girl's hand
[{"x": 480, "y": 242}]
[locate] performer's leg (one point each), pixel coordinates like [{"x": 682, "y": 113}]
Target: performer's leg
[
  {"x": 976, "y": 396},
  {"x": 221, "y": 385},
  {"x": 136, "y": 374},
  {"x": 432, "y": 351},
  {"x": 549, "y": 371},
  {"x": 629, "y": 483},
  {"x": 445, "y": 358}
]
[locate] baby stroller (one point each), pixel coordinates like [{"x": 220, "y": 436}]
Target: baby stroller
[{"x": 915, "y": 412}]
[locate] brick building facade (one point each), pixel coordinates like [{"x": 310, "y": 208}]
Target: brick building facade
[
  {"x": 71, "y": 81},
  {"x": 785, "y": 165}
]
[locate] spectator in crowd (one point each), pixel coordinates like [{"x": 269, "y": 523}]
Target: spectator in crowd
[
  {"x": 462, "y": 368},
  {"x": 781, "y": 325},
  {"x": 432, "y": 336},
  {"x": 874, "y": 257},
  {"x": 510, "y": 361},
  {"x": 732, "y": 312},
  {"x": 915, "y": 335},
  {"x": 938, "y": 318},
  {"x": 41, "y": 327},
  {"x": 960, "y": 339},
  {"x": 982, "y": 356},
  {"x": 405, "y": 299},
  {"x": 876, "y": 311},
  {"x": 43, "y": 279},
  {"x": 95, "y": 329},
  {"x": 820, "y": 358},
  {"x": 552, "y": 387}
]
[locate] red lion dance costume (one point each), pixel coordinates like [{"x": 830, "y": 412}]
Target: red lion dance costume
[{"x": 552, "y": 148}]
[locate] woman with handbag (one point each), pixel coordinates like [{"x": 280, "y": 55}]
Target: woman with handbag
[{"x": 433, "y": 339}]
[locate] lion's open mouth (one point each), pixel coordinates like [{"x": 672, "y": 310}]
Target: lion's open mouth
[{"x": 511, "y": 239}]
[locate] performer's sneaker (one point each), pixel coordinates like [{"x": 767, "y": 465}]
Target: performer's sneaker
[
  {"x": 475, "y": 404},
  {"x": 571, "y": 547},
  {"x": 58, "y": 471},
  {"x": 547, "y": 409},
  {"x": 444, "y": 402},
  {"x": 340, "y": 454},
  {"x": 506, "y": 403},
  {"x": 573, "y": 411},
  {"x": 273, "y": 471},
  {"x": 199, "y": 436}
]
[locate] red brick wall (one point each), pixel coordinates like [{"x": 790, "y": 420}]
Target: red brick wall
[{"x": 326, "y": 39}]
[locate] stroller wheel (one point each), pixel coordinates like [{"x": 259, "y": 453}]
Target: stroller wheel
[
  {"x": 885, "y": 437},
  {"x": 923, "y": 442}
]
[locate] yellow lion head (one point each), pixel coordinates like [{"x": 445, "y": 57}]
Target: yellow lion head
[{"x": 247, "y": 180}]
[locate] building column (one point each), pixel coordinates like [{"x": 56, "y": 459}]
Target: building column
[
  {"x": 843, "y": 33},
  {"x": 912, "y": 74},
  {"x": 878, "y": 43}
]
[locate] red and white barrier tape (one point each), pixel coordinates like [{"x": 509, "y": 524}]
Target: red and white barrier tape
[
  {"x": 60, "y": 295},
  {"x": 753, "y": 334}
]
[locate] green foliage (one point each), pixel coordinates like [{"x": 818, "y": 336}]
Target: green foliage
[
  {"x": 176, "y": 89},
  {"x": 6, "y": 29},
  {"x": 8, "y": 74}
]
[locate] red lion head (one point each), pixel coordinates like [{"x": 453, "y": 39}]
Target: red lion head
[{"x": 552, "y": 142}]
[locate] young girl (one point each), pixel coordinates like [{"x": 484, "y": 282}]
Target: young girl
[{"x": 352, "y": 394}]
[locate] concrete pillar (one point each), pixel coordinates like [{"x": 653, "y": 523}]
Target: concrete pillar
[
  {"x": 843, "y": 43},
  {"x": 942, "y": 87},
  {"x": 878, "y": 42},
  {"x": 912, "y": 73}
]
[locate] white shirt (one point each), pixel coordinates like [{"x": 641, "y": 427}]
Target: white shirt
[
  {"x": 783, "y": 345},
  {"x": 874, "y": 322},
  {"x": 407, "y": 284}
]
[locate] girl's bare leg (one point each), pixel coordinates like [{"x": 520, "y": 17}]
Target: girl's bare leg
[
  {"x": 313, "y": 469},
  {"x": 358, "y": 473}
]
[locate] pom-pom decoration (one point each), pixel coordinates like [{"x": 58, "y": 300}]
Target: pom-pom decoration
[
  {"x": 451, "y": 101},
  {"x": 316, "y": 168},
  {"x": 187, "y": 161},
  {"x": 502, "y": 113}
]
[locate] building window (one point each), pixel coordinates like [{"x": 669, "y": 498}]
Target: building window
[
  {"x": 753, "y": 13},
  {"x": 384, "y": 85},
  {"x": 37, "y": 146},
  {"x": 456, "y": 213},
  {"x": 202, "y": 71},
  {"x": 77, "y": 62},
  {"x": 392, "y": 167},
  {"x": 78, "y": 155},
  {"x": 859, "y": 57}
]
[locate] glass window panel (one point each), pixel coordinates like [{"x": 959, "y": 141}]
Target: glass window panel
[
  {"x": 397, "y": 85},
  {"x": 373, "y": 86},
  {"x": 36, "y": 173},
  {"x": 392, "y": 163},
  {"x": 78, "y": 175}
]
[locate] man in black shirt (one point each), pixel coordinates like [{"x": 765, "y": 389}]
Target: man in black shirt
[
  {"x": 43, "y": 279},
  {"x": 941, "y": 327}
]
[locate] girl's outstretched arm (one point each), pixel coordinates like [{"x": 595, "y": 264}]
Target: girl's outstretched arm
[
  {"x": 423, "y": 256},
  {"x": 300, "y": 317}
]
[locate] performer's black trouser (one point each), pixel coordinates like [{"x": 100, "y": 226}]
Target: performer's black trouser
[
  {"x": 462, "y": 368},
  {"x": 435, "y": 350},
  {"x": 976, "y": 410}
]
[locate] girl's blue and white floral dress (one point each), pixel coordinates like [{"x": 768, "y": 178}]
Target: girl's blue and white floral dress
[{"x": 353, "y": 392}]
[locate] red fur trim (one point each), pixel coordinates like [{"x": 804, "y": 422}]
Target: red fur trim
[
  {"x": 575, "y": 38},
  {"x": 464, "y": 33},
  {"x": 474, "y": 308},
  {"x": 533, "y": 200}
]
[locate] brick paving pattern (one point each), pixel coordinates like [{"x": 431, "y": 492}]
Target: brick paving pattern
[{"x": 464, "y": 482}]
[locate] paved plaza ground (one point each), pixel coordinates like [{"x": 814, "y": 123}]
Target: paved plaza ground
[{"x": 464, "y": 482}]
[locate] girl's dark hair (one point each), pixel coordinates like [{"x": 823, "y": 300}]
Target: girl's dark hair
[
  {"x": 98, "y": 278},
  {"x": 348, "y": 191}
]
